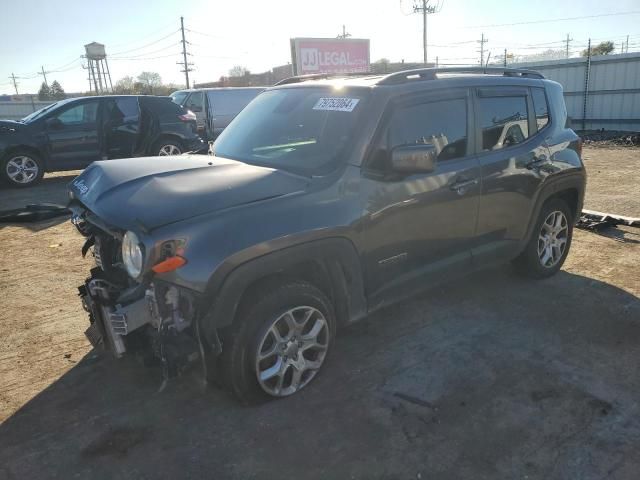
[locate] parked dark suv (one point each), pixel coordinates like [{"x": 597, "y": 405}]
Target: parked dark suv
[
  {"x": 325, "y": 200},
  {"x": 72, "y": 133}
]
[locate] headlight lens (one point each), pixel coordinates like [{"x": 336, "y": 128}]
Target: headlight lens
[{"x": 132, "y": 256}]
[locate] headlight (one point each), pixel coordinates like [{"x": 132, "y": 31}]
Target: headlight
[{"x": 132, "y": 256}]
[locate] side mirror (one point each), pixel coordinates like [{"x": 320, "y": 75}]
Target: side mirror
[
  {"x": 54, "y": 123},
  {"x": 414, "y": 158}
]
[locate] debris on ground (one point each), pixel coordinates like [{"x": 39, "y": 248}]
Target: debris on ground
[
  {"x": 610, "y": 138},
  {"x": 33, "y": 213},
  {"x": 597, "y": 221}
]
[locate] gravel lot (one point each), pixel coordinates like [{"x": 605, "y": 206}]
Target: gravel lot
[{"x": 493, "y": 377}]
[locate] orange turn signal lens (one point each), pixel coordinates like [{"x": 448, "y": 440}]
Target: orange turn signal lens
[{"x": 169, "y": 264}]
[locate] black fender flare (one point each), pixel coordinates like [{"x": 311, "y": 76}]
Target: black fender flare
[
  {"x": 554, "y": 186},
  {"x": 338, "y": 256}
]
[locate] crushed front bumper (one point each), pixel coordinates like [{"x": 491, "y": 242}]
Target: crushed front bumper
[{"x": 110, "y": 322}]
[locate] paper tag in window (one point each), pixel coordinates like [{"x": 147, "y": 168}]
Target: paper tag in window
[{"x": 336, "y": 104}]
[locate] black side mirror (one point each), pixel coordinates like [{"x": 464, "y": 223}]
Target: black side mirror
[
  {"x": 414, "y": 158},
  {"x": 54, "y": 123}
]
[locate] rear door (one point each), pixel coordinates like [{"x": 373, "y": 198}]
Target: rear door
[
  {"x": 420, "y": 227},
  {"x": 512, "y": 157},
  {"x": 121, "y": 126},
  {"x": 75, "y": 139}
]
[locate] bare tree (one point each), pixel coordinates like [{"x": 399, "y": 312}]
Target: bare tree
[
  {"x": 239, "y": 71},
  {"x": 150, "y": 80}
]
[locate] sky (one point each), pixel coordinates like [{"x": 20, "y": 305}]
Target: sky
[{"x": 142, "y": 35}]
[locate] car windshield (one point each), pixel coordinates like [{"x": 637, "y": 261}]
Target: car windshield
[
  {"x": 304, "y": 130},
  {"x": 39, "y": 113},
  {"x": 179, "y": 97}
]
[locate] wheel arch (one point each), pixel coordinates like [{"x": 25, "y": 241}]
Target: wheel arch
[
  {"x": 331, "y": 264},
  {"x": 22, "y": 147},
  {"x": 164, "y": 137}
]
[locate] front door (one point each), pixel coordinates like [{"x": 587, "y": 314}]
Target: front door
[
  {"x": 419, "y": 228},
  {"x": 195, "y": 103},
  {"x": 510, "y": 152},
  {"x": 73, "y": 131}
]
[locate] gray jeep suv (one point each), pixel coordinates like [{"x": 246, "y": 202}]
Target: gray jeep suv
[{"x": 325, "y": 199}]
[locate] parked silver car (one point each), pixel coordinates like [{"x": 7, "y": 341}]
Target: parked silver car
[{"x": 215, "y": 107}]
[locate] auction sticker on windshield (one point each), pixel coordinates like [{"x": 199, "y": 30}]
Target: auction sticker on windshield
[{"x": 336, "y": 104}]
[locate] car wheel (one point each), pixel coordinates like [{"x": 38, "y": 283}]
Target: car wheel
[
  {"x": 165, "y": 148},
  {"x": 278, "y": 343},
  {"x": 22, "y": 169},
  {"x": 550, "y": 242}
]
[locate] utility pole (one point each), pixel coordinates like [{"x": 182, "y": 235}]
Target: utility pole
[
  {"x": 44, "y": 74},
  {"x": 482, "y": 41},
  {"x": 567, "y": 46},
  {"x": 627, "y": 49},
  {"x": 185, "y": 64},
  {"x": 422, "y": 6},
  {"x": 505, "y": 58},
  {"x": 587, "y": 72},
  {"x": 15, "y": 84},
  {"x": 344, "y": 33}
]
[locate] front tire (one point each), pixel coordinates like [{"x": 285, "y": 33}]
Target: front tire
[
  {"x": 22, "y": 169},
  {"x": 278, "y": 342},
  {"x": 550, "y": 242}
]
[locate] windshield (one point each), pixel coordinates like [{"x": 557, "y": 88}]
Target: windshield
[
  {"x": 39, "y": 113},
  {"x": 304, "y": 130},
  {"x": 179, "y": 97}
]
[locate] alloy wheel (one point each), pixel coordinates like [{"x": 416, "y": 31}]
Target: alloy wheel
[
  {"x": 292, "y": 351},
  {"x": 167, "y": 150},
  {"x": 22, "y": 169},
  {"x": 552, "y": 239}
]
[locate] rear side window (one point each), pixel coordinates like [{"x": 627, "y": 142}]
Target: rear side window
[
  {"x": 125, "y": 110},
  {"x": 503, "y": 121},
  {"x": 230, "y": 102},
  {"x": 161, "y": 105},
  {"x": 541, "y": 107},
  {"x": 441, "y": 123},
  {"x": 195, "y": 103}
]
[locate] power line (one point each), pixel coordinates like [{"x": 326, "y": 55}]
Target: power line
[
  {"x": 173, "y": 45},
  {"x": 550, "y": 20},
  {"x": 147, "y": 45}
]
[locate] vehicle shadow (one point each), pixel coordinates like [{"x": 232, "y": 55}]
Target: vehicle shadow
[
  {"x": 491, "y": 377},
  {"x": 52, "y": 189}
]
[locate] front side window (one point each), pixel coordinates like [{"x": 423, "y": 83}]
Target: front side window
[
  {"x": 179, "y": 97},
  {"x": 503, "y": 121},
  {"x": 230, "y": 102},
  {"x": 541, "y": 107},
  {"x": 305, "y": 130},
  {"x": 84, "y": 113},
  {"x": 442, "y": 123},
  {"x": 195, "y": 102}
]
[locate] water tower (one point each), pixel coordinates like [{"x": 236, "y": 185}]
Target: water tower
[{"x": 98, "y": 68}]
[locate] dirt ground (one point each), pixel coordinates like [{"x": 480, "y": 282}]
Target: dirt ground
[{"x": 493, "y": 377}]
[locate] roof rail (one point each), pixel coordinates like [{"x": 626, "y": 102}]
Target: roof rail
[
  {"x": 322, "y": 76},
  {"x": 432, "y": 73}
]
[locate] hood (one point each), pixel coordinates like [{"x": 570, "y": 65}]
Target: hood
[
  {"x": 9, "y": 126},
  {"x": 155, "y": 191}
]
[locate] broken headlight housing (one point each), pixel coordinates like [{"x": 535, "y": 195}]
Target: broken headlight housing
[{"x": 132, "y": 254}]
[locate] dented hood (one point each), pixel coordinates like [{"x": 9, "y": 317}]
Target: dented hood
[{"x": 150, "y": 192}]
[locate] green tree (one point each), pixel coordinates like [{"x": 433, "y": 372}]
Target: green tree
[
  {"x": 45, "y": 92},
  {"x": 57, "y": 92},
  {"x": 603, "y": 48},
  {"x": 150, "y": 80}
]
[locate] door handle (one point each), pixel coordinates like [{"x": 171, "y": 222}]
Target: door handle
[{"x": 461, "y": 186}]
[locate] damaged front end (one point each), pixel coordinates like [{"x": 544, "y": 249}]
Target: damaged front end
[{"x": 146, "y": 316}]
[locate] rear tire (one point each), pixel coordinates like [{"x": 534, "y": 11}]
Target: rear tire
[
  {"x": 167, "y": 147},
  {"x": 550, "y": 241},
  {"x": 22, "y": 169},
  {"x": 263, "y": 358}
]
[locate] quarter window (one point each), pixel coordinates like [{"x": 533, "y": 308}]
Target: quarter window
[
  {"x": 79, "y": 114},
  {"x": 541, "y": 107},
  {"x": 441, "y": 123},
  {"x": 196, "y": 102},
  {"x": 503, "y": 121}
]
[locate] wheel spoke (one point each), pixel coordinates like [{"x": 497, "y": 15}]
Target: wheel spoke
[
  {"x": 547, "y": 256},
  {"x": 315, "y": 330},
  {"x": 297, "y": 377},
  {"x": 272, "y": 371}
]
